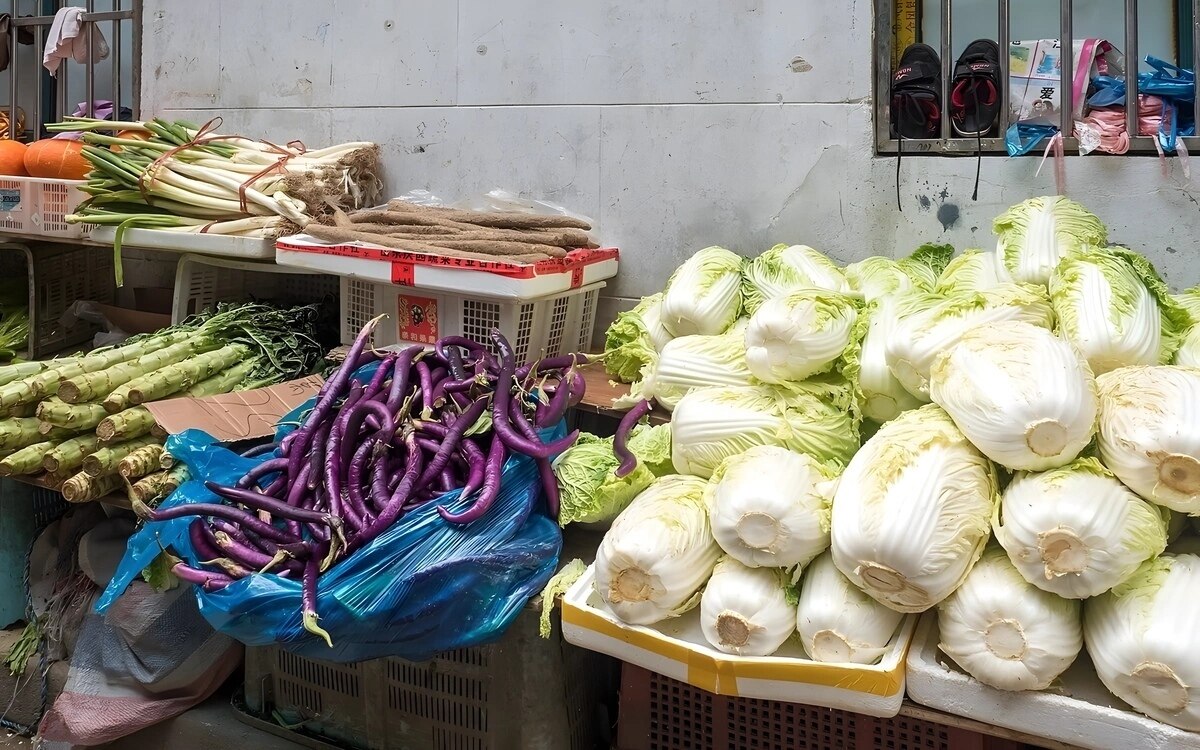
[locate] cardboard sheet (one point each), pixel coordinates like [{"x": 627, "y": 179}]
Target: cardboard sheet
[{"x": 235, "y": 416}]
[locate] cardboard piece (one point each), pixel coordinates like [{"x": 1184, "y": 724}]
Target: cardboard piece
[
  {"x": 235, "y": 416},
  {"x": 133, "y": 321}
]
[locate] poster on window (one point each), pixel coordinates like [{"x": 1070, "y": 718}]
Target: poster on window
[{"x": 1035, "y": 76}]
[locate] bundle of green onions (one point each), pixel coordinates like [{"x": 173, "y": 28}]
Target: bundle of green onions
[{"x": 175, "y": 176}]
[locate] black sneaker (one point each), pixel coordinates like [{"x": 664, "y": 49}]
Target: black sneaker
[
  {"x": 975, "y": 90},
  {"x": 917, "y": 94}
]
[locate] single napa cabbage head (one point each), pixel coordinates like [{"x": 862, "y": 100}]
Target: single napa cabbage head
[
  {"x": 589, "y": 488},
  {"x": 633, "y": 339},
  {"x": 913, "y": 511},
  {"x": 784, "y": 268},
  {"x": 691, "y": 362},
  {"x": 839, "y": 623},
  {"x": 1189, "y": 349},
  {"x": 704, "y": 295},
  {"x": 973, "y": 271},
  {"x": 1006, "y": 633},
  {"x": 1143, "y": 640},
  {"x": 658, "y": 554},
  {"x": 1076, "y": 531},
  {"x": 883, "y": 396},
  {"x": 711, "y": 424},
  {"x": 1034, "y": 235},
  {"x": 928, "y": 325},
  {"x": 1150, "y": 433},
  {"x": 1111, "y": 304},
  {"x": 1021, "y": 395},
  {"x": 877, "y": 277},
  {"x": 747, "y": 611},
  {"x": 770, "y": 506},
  {"x": 802, "y": 333}
]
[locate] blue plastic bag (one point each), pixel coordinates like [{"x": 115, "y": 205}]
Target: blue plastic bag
[
  {"x": 421, "y": 587},
  {"x": 1174, "y": 85}
]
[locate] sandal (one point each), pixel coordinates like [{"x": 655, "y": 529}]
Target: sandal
[
  {"x": 916, "y": 100},
  {"x": 975, "y": 90},
  {"x": 975, "y": 97},
  {"x": 917, "y": 94}
]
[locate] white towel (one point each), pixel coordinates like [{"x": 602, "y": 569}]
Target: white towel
[{"x": 69, "y": 39}]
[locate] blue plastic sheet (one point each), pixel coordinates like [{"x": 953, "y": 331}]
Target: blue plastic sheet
[
  {"x": 1174, "y": 85},
  {"x": 421, "y": 587}
]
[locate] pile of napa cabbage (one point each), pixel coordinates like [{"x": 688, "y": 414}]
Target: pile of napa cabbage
[{"x": 1009, "y": 439}]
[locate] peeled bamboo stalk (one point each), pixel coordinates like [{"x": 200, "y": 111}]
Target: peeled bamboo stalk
[
  {"x": 82, "y": 488},
  {"x": 45, "y": 383},
  {"x": 104, "y": 460},
  {"x": 28, "y": 460},
  {"x": 171, "y": 379},
  {"x": 57, "y": 412},
  {"x": 9, "y": 373},
  {"x": 167, "y": 461},
  {"x": 225, "y": 381},
  {"x": 94, "y": 385},
  {"x": 183, "y": 375},
  {"x": 145, "y": 490},
  {"x": 19, "y": 432},
  {"x": 126, "y": 425},
  {"x": 67, "y": 456},
  {"x": 141, "y": 462}
]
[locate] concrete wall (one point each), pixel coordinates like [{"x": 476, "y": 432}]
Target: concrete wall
[{"x": 675, "y": 124}]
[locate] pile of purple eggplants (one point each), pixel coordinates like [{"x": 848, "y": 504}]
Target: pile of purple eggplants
[{"x": 367, "y": 454}]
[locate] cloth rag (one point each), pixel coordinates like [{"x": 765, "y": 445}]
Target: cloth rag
[{"x": 68, "y": 39}]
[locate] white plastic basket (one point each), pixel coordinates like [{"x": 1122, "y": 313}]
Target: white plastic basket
[
  {"x": 544, "y": 326},
  {"x": 32, "y": 205},
  {"x": 1077, "y": 710},
  {"x": 201, "y": 282}
]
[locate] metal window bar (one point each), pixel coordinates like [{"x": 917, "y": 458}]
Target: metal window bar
[
  {"x": 885, "y": 11},
  {"x": 40, "y": 25}
]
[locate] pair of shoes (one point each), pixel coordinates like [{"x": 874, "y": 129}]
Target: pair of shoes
[
  {"x": 916, "y": 98},
  {"x": 916, "y": 105}
]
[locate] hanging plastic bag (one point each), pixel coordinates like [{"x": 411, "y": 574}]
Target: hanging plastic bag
[{"x": 421, "y": 587}]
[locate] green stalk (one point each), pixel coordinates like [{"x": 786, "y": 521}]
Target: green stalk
[
  {"x": 140, "y": 462},
  {"x": 34, "y": 387},
  {"x": 126, "y": 425},
  {"x": 185, "y": 374},
  {"x": 104, "y": 460},
  {"x": 82, "y": 488},
  {"x": 19, "y": 432},
  {"x": 93, "y": 385},
  {"x": 27, "y": 460},
  {"x": 67, "y": 456},
  {"x": 74, "y": 416}
]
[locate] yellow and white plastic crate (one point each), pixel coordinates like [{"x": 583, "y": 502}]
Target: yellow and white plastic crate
[{"x": 676, "y": 648}]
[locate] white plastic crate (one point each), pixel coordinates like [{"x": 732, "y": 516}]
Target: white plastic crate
[
  {"x": 201, "y": 282},
  {"x": 1077, "y": 709},
  {"x": 676, "y": 648},
  {"x": 33, "y": 205},
  {"x": 541, "y": 327}
]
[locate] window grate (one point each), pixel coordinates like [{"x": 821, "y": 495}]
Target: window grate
[{"x": 885, "y": 52}]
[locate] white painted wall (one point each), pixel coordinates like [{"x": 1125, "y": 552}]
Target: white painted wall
[{"x": 676, "y": 124}]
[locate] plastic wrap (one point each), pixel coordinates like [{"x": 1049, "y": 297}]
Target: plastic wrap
[{"x": 421, "y": 587}]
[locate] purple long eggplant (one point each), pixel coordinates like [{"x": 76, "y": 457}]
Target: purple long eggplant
[
  {"x": 229, "y": 512},
  {"x": 270, "y": 466},
  {"x": 450, "y": 442},
  {"x": 487, "y": 493},
  {"x": 621, "y": 438},
  {"x": 205, "y": 579},
  {"x": 545, "y": 468}
]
